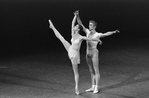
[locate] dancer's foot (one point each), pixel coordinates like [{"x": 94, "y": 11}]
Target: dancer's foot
[
  {"x": 77, "y": 90},
  {"x": 51, "y": 24},
  {"x": 90, "y": 89},
  {"x": 95, "y": 90}
]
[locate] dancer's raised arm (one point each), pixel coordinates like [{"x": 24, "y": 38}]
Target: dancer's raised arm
[
  {"x": 73, "y": 22},
  {"x": 81, "y": 24}
]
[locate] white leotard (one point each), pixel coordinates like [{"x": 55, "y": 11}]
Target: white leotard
[{"x": 73, "y": 51}]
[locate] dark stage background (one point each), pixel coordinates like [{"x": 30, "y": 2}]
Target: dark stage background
[{"x": 24, "y": 27}]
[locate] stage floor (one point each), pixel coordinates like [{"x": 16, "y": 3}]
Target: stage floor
[{"x": 124, "y": 74}]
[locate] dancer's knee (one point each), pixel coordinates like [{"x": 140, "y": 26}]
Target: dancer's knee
[
  {"x": 98, "y": 75},
  {"x": 97, "y": 71},
  {"x": 91, "y": 71}
]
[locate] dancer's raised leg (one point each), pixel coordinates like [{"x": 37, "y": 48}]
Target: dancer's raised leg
[{"x": 59, "y": 36}]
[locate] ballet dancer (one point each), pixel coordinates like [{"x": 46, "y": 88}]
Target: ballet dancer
[{"x": 92, "y": 52}]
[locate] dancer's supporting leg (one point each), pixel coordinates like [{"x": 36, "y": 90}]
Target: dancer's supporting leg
[
  {"x": 96, "y": 69},
  {"x": 91, "y": 69},
  {"x": 76, "y": 76}
]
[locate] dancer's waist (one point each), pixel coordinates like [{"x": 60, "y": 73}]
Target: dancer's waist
[{"x": 91, "y": 48}]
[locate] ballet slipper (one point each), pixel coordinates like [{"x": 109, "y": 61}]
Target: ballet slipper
[
  {"x": 90, "y": 89},
  {"x": 95, "y": 90}
]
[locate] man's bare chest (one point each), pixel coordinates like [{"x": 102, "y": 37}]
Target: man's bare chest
[{"x": 92, "y": 35}]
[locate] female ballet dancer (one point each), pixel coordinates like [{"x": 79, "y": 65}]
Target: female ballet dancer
[{"x": 73, "y": 48}]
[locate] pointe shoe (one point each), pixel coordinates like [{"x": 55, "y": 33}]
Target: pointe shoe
[
  {"x": 77, "y": 90},
  {"x": 51, "y": 24}
]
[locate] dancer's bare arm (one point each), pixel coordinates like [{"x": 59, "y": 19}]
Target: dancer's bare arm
[
  {"x": 73, "y": 22},
  {"x": 108, "y": 33},
  {"x": 81, "y": 24}
]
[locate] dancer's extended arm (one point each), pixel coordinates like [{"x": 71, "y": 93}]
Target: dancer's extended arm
[{"x": 109, "y": 33}]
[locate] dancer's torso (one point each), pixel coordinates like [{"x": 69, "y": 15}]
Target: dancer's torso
[
  {"x": 92, "y": 45},
  {"x": 73, "y": 52},
  {"x": 76, "y": 43}
]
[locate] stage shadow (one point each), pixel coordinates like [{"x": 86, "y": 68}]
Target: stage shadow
[
  {"x": 48, "y": 88},
  {"x": 128, "y": 81},
  {"x": 6, "y": 74},
  {"x": 103, "y": 95},
  {"x": 13, "y": 82},
  {"x": 121, "y": 96}
]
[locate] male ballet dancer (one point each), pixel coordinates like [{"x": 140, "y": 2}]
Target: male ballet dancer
[{"x": 92, "y": 52}]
